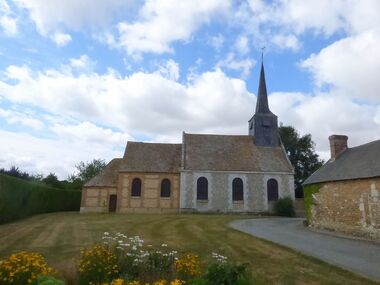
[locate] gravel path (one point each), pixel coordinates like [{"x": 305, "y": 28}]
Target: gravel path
[{"x": 358, "y": 256}]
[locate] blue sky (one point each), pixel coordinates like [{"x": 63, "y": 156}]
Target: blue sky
[{"x": 80, "y": 78}]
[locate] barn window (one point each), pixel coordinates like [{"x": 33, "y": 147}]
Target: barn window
[
  {"x": 136, "y": 187},
  {"x": 237, "y": 190},
  {"x": 272, "y": 188},
  {"x": 165, "y": 188},
  {"x": 202, "y": 188}
]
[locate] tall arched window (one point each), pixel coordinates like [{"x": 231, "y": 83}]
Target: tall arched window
[
  {"x": 237, "y": 190},
  {"x": 136, "y": 187},
  {"x": 272, "y": 189},
  {"x": 202, "y": 188},
  {"x": 165, "y": 188}
]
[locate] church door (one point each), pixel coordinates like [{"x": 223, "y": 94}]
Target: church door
[{"x": 112, "y": 203}]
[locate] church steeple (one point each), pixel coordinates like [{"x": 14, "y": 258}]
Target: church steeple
[
  {"x": 263, "y": 125},
  {"x": 262, "y": 97}
]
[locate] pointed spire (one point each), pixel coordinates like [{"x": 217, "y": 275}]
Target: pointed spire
[{"x": 262, "y": 97}]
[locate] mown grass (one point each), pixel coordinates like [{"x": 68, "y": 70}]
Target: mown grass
[{"x": 60, "y": 236}]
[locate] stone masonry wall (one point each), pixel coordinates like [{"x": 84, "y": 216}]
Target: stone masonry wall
[
  {"x": 220, "y": 191},
  {"x": 96, "y": 199},
  {"x": 150, "y": 200},
  {"x": 351, "y": 207}
]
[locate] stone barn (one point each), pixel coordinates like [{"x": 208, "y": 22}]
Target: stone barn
[
  {"x": 344, "y": 194},
  {"x": 204, "y": 173}
]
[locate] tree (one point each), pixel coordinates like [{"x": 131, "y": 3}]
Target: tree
[
  {"x": 52, "y": 180},
  {"x": 302, "y": 155},
  {"x": 87, "y": 170}
]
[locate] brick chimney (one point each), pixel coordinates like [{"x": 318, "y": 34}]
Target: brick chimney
[{"x": 338, "y": 144}]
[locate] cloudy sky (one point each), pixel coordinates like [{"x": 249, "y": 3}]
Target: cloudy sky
[{"x": 80, "y": 78}]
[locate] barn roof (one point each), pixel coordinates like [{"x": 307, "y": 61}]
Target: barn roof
[
  {"x": 107, "y": 177},
  {"x": 232, "y": 153},
  {"x": 357, "y": 162},
  {"x": 151, "y": 157}
]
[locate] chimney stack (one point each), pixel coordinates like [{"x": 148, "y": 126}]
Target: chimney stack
[{"x": 338, "y": 144}]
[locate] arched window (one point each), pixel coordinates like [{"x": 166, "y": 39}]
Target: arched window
[
  {"x": 237, "y": 190},
  {"x": 136, "y": 187},
  {"x": 272, "y": 188},
  {"x": 165, "y": 188},
  {"x": 202, "y": 188}
]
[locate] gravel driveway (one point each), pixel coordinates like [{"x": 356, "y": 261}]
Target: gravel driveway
[{"x": 355, "y": 255}]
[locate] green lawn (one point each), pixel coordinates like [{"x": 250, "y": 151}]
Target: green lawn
[{"x": 60, "y": 236}]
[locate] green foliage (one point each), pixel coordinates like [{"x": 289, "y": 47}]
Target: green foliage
[
  {"x": 48, "y": 280},
  {"x": 225, "y": 273},
  {"x": 87, "y": 170},
  {"x": 16, "y": 172},
  {"x": 309, "y": 191},
  {"x": 301, "y": 152},
  {"x": 20, "y": 199},
  {"x": 97, "y": 265},
  {"x": 284, "y": 207}
]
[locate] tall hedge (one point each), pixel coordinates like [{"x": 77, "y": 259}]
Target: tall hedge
[{"x": 20, "y": 198}]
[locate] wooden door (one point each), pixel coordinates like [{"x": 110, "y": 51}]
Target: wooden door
[{"x": 112, "y": 203}]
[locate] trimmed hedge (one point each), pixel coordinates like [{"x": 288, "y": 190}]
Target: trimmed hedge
[{"x": 20, "y": 199}]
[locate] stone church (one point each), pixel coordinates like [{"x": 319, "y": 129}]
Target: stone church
[{"x": 204, "y": 173}]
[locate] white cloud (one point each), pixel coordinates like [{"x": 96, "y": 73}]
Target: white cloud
[
  {"x": 216, "y": 41},
  {"x": 169, "y": 70},
  {"x": 287, "y": 41},
  {"x": 350, "y": 66},
  {"x": 88, "y": 132},
  {"x": 162, "y": 22},
  {"x": 144, "y": 103},
  {"x": 61, "y": 39},
  {"x": 9, "y": 25},
  {"x": 41, "y": 155},
  {"x": 242, "y": 45},
  {"x": 233, "y": 63},
  {"x": 54, "y": 15},
  {"x": 14, "y": 117},
  {"x": 7, "y": 20},
  {"x": 82, "y": 63}
]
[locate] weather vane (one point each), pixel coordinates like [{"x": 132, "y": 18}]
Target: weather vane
[{"x": 262, "y": 53}]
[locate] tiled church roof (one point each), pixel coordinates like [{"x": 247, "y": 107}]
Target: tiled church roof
[
  {"x": 108, "y": 177},
  {"x": 232, "y": 153},
  {"x": 151, "y": 157},
  {"x": 357, "y": 162}
]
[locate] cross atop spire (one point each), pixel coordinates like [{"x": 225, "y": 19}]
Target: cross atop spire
[{"x": 262, "y": 97}]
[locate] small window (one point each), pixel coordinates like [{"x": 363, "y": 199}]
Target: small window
[
  {"x": 136, "y": 187},
  {"x": 237, "y": 190},
  {"x": 272, "y": 188},
  {"x": 202, "y": 188},
  {"x": 165, "y": 188}
]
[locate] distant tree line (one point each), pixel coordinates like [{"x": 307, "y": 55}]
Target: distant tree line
[{"x": 84, "y": 172}]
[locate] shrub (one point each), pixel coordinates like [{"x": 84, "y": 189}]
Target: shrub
[
  {"x": 23, "y": 268},
  {"x": 135, "y": 260},
  {"x": 19, "y": 199},
  {"x": 187, "y": 266},
  {"x": 48, "y": 280},
  {"x": 97, "y": 265},
  {"x": 284, "y": 207}
]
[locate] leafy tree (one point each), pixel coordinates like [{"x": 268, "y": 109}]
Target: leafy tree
[
  {"x": 52, "y": 180},
  {"x": 302, "y": 155},
  {"x": 87, "y": 170}
]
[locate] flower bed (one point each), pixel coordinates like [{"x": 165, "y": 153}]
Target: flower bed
[{"x": 122, "y": 260}]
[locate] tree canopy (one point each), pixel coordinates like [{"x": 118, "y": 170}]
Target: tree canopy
[
  {"x": 301, "y": 152},
  {"x": 87, "y": 170}
]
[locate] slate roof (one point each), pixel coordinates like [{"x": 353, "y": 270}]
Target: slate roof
[
  {"x": 358, "y": 162},
  {"x": 151, "y": 157},
  {"x": 108, "y": 177},
  {"x": 232, "y": 153}
]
